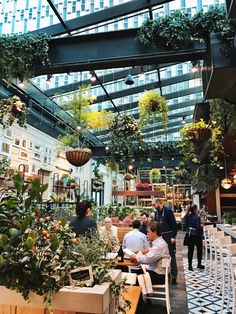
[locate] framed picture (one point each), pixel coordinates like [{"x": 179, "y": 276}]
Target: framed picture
[
  {"x": 37, "y": 146},
  {"x": 9, "y": 133},
  {"x": 37, "y": 156},
  {"x": 24, "y": 143},
  {"x": 30, "y": 145},
  {"x": 23, "y": 155},
  {"x": 84, "y": 274},
  {"x": 17, "y": 141},
  {"x": 5, "y": 148}
]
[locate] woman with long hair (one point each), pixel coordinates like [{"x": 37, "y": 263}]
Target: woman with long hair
[{"x": 193, "y": 236}]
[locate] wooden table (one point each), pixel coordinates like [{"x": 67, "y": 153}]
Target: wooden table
[
  {"x": 132, "y": 294},
  {"x": 127, "y": 262}
]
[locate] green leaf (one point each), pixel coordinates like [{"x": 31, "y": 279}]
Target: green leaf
[
  {"x": 54, "y": 242},
  {"x": 3, "y": 239}
]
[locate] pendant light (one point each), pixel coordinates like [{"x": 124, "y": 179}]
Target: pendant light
[
  {"x": 234, "y": 179},
  {"x": 226, "y": 183}
]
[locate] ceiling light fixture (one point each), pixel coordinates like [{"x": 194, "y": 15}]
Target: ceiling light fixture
[
  {"x": 194, "y": 66},
  {"x": 21, "y": 82},
  {"x": 183, "y": 119},
  {"x": 142, "y": 73},
  {"x": 226, "y": 183},
  {"x": 129, "y": 79},
  {"x": 93, "y": 77},
  {"x": 48, "y": 81},
  {"x": 106, "y": 147}
]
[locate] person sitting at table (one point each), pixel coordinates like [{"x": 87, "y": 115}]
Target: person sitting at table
[
  {"x": 108, "y": 233},
  {"x": 135, "y": 240},
  {"x": 83, "y": 223},
  {"x": 144, "y": 225},
  {"x": 154, "y": 255}
]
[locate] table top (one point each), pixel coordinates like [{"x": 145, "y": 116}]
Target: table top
[
  {"x": 127, "y": 262},
  {"x": 230, "y": 230},
  {"x": 132, "y": 294}
]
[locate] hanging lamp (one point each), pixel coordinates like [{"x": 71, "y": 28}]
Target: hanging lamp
[{"x": 226, "y": 183}]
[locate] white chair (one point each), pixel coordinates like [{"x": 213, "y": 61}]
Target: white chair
[
  {"x": 217, "y": 256},
  {"x": 232, "y": 265},
  {"x": 161, "y": 292},
  {"x": 212, "y": 250}
]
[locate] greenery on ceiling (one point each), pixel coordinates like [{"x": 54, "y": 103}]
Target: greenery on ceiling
[
  {"x": 12, "y": 110},
  {"x": 205, "y": 178},
  {"x": 153, "y": 107},
  {"x": 80, "y": 111},
  {"x": 125, "y": 136},
  {"x": 179, "y": 31},
  {"x": 20, "y": 55}
]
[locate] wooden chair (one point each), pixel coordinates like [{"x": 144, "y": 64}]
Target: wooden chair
[{"x": 122, "y": 232}]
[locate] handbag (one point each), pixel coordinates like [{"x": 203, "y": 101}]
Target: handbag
[{"x": 186, "y": 239}]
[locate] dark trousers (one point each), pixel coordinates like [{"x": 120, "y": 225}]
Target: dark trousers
[
  {"x": 156, "y": 279},
  {"x": 172, "y": 250},
  {"x": 195, "y": 240}
]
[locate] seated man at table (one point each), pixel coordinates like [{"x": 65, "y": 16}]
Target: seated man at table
[
  {"x": 135, "y": 240},
  {"x": 153, "y": 255}
]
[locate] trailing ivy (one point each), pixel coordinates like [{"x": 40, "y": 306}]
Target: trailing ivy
[
  {"x": 205, "y": 178},
  {"x": 21, "y": 55},
  {"x": 178, "y": 31}
]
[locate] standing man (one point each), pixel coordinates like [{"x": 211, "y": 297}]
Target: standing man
[{"x": 165, "y": 217}]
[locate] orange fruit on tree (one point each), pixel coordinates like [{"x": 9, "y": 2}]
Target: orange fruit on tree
[
  {"x": 44, "y": 232},
  {"x": 74, "y": 241},
  {"x": 56, "y": 228},
  {"x": 47, "y": 218},
  {"x": 48, "y": 235}
]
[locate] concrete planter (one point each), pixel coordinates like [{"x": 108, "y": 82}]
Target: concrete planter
[{"x": 68, "y": 300}]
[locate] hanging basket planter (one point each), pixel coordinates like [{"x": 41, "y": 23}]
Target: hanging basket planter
[
  {"x": 128, "y": 177},
  {"x": 78, "y": 157},
  {"x": 199, "y": 135}
]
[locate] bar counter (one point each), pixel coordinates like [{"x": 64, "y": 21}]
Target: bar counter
[{"x": 229, "y": 230}]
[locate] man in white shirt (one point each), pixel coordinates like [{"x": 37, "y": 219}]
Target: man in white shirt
[
  {"x": 153, "y": 255},
  {"x": 135, "y": 240}
]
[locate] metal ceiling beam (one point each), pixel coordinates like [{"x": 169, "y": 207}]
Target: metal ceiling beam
[
  {"x": 152, "y": 85},
  {"x": 110, "y": 50},
  {"x": 100, "y": 16},
  {"x": 118, "y": 75},
  {"x": 66, "y": 29}
]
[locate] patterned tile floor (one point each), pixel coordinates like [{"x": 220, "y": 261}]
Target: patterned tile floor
[{"x": 200, "y": 292}]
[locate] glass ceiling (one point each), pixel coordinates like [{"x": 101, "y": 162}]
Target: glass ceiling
[{"x": 19, "y": 17}]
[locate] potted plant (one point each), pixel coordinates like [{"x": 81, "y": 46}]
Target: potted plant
[
  {"x": 125, "y": 136},
  {"x": 128, "y": 177},
  {"x": 143, "y": 186},
  {"x": 197, "y": 132},
  {"x": 37, "y": 253},
  {"x": 80, "y": 109},
  {"x": 153, "y": 106},
  {"x": 12, "y": 110},
  {"x": 154, "y": 175}
]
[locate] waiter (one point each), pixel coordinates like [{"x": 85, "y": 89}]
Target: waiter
[{"x": 165, "y": 217}]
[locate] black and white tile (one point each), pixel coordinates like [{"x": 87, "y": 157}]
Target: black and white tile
[{"x": 200, "y": 292}]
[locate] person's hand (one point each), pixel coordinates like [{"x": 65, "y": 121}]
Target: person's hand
[
  {"x": 133, "y": 258},
  {"x": 144, "y": 251},
  {"x": 173, "y": 240}
]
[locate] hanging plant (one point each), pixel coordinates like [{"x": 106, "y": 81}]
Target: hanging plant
[
  {"x": 97, "y": 181},
  {"x": 205, "y": 178},
  {"x": 178, "y": 31},
  {"x": 128, "y": 176},
  {"x": 125, "y": 136},
  {"x": 197, "y": 132},
  {"x": 154, "y": 175},
  {"x": 21, "y": 55},
  {"x": 153, "y": 106},
  {"x": 80, "y": 110},
  {"x": 12, "y": 110}
]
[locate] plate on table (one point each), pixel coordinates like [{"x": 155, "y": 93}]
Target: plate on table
[{"x": 111, "y": 255}]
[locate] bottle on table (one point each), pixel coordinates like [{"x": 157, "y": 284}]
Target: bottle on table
[{"x": 121, "y": 255}]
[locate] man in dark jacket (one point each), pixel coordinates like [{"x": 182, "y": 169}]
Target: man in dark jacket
[{"x": 165, "y": 217}]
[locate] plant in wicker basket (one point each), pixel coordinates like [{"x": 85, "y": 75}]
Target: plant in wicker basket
[
  {"x": 80, "y": 110},
  {"x": 125, "y": 136},
  {"x": 154, "y": 175},
  {"x": 12, "y": 109},
  {"x": 128, "y": 176},
  {"x": 153, "y": 107}
]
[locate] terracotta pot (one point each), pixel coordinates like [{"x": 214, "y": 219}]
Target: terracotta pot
[
  {"x": 78, "y": 157},
  {"x": 199, "y": 135}
]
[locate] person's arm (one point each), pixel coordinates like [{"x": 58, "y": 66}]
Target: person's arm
[
  {"x": 145, "y": 244},
  {"x": 124, "y": 242},
  {"x": 172, "y": 222},
  {"x": 150, "y": 257}
]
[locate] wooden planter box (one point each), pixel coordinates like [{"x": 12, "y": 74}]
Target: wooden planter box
[
  {"x": 219, "y": 74},
  {"x": 77, "y": 300}
]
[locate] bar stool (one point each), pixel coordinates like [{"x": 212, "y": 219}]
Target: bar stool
[
  {"x": 211, "y": 242},
  {"x": 224, "y": 244},
  {"x": 232, "y": 265},
  {"x": 206, "y": 243},
  {"x": 217, "y": 256}
]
